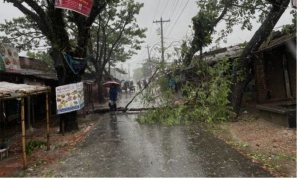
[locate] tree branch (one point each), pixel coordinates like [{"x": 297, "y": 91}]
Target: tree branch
[
  {"x": 125, "y": 109},
  {"x": 24, "y": 10}
]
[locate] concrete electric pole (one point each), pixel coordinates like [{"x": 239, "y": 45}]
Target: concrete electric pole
[
  {"x": 148, "y": 52},
  {"x": 149, "y": 59},
  {"x": 162, "y": 36}
]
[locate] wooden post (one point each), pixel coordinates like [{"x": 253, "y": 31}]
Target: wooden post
[
  {"x": 33, "y": 118},
  {"x": 92, "y": 97},
  {"x": 47, "y": 114},
  {"x": 28, "y": 113},
  {"x": 23, "y": 133},
  {"x": 286, "y": 77}
]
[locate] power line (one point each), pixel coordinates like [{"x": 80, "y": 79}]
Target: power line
[
  {"x": 176, "y": 12},
  {"x": 154, "y": 42},
  {"x": 152, "y": 23},
  {"x": 178, "y": 17},
  {"x": 165, "y": 8},
  {"x": 171, "y": 7},
  {"x": 171, "y": 16}
]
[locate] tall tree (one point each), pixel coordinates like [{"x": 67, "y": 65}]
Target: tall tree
[
  {"x": 115, "y": 38},
  {"x": 244, "y": 62},
  {"x": 234, "y": 12},
  {"x": 45, "y": 23}
]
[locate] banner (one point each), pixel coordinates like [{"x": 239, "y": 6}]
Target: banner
[
  {"x": 74, "y": 63},
  {"x": 69, "y": 97},
  {"x": 9, "y": 58},
  {"x": 81, "y": 6}
]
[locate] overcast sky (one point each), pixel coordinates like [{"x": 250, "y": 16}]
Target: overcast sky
[{"x": 178, "y": 12}]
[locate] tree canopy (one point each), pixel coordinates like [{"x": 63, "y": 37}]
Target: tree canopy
[
  {"x": 115, "y": 36},
  {"x": 43, "y": 23}
]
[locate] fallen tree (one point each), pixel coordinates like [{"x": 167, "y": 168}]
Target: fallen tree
[
  {"x": 244, "y": 64},
  {"x": 146, "y": 86}
]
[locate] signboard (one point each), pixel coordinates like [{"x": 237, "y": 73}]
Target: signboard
[
  {"x": 74, "y": 63},
  {"x": 81, "y": 6},
  {"x": 9, "y": 57},
  {"x": 69, "y": 97}
]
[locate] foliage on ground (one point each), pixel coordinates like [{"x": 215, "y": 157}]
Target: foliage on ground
[
  {"x": 31, "y": 145},
  {"x": 204, "y": 99}
]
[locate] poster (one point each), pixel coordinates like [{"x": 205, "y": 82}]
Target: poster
[
  {"x": 74, "y": 63},
  {"x": 69, "y": 97},
  {"x": 81, "y": 6},
  {"x": 9, "y": 57}
]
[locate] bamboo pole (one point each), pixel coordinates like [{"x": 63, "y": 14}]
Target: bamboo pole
[
  {"x": 47, "y": 114},
  {"x": 23, "y": 133},
  {"x": 33, "y": 118},
  {"x": 28, "y": 113}
]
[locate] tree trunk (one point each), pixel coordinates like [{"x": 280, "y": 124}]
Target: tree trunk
[
  {"x": 65, "y": 76},
  {"x": 70, "y": 121},
  {"x": 100, "y": 91},
  {"x": 244, "y": 61}
]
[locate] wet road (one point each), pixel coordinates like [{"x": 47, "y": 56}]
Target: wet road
[{"x": 119, "y": 146}]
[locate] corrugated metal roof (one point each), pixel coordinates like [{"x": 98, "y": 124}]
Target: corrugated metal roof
[
  {"x": 276, "y": 42},
  {"x": 231, "y": 52},
  {"x": 39, "y": 74},
  {"x": 8, "y": 90}
]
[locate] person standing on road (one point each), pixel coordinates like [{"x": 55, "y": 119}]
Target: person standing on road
[{"x": 113, "y": 94}]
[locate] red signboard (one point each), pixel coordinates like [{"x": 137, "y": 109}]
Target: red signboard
[{"x": 81, "y": 6}]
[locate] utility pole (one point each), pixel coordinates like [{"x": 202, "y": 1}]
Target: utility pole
[
  {"x": 148, "y": 52},
  {"x": 150, "y": 63},
  {"x": 162, "y": 36}
]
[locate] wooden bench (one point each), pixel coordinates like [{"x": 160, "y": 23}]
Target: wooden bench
[{"x": 3, "y": 153}]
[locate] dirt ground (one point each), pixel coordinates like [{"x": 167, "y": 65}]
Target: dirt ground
[
  {"x": 60, "y": 146},
  {"x": 274, "y": 147}
]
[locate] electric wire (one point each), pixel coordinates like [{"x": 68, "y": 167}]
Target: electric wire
[
  {"x": 171, "y": 16},
  {"x": 178, "y": 17},
  {"x": 164, "y": 8},
  {"x": 152, "y": 23},
  {"x": 171, "y": 8}
]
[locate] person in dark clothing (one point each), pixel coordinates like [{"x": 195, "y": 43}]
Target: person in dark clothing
[
  {"x": 139, "y": 85},
  {"x": 145, "y": 83},
  {"x": 113, "y": 94}
]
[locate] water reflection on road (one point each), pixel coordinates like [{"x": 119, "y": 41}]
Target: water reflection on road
[{"x": 121, "y": 147}]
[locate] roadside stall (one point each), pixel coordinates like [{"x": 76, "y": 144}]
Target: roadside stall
[{"x": 9, "y": 91}]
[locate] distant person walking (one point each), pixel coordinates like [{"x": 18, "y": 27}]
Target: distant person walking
[
  {"x": 145, "y": 83},
  {"x": 139, "y": 85},
  {"x": 113, "y": 95}
]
